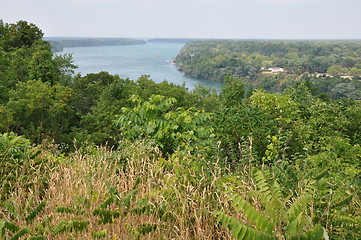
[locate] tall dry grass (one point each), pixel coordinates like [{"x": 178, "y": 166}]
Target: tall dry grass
[{"x": 180, "y": 194}]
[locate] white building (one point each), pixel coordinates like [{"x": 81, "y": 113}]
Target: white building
[{"x": 276, "y": 69}]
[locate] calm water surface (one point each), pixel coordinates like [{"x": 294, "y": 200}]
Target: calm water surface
[{"x": 132, "y": 61}]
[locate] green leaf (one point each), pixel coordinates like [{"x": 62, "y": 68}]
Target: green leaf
[
  {"x": 20, "y": 233},
  {"x": 35, "y": 212}
]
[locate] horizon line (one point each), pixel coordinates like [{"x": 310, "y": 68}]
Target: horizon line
[{"x": 206, "y": 38}]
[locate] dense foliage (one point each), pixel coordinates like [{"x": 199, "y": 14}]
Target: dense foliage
[
  {"x": 338, "y": 61},
  {"x": 100, "y": 157}
]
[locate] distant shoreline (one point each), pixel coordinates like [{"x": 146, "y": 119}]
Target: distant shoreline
[{"x": 58, "y": 44}]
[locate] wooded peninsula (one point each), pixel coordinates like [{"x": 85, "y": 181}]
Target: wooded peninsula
[
  {"x": 275, "y": 155},
  {"x": 331, "y": 66}
]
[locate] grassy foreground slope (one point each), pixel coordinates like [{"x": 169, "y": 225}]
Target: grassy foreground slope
[
  {"x": 97, "y": 193},
  {"x": 136, "y": 193}
]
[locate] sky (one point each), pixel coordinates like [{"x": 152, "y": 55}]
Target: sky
[{"x": 236, "y": 19}]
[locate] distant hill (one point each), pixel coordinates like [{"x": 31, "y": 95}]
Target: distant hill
[
  {"x": 174, "y": 40},
  {"x": 58, "y": 44}
]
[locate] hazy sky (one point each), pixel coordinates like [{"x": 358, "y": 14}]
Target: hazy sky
[{"x": 245, "y": 19}]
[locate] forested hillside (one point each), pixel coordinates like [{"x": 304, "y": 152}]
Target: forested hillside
[
  {"x": 101, "y": 157},
  {"x": 332, "y": 66}
]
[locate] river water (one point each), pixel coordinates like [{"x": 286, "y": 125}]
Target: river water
[{"x": 132, "y": 61}]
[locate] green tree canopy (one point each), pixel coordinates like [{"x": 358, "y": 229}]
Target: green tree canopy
[
  {"x": 20, "y": 34},
  {"x": 40, "y": 110},
  {"x": 170, "y": 129}
]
